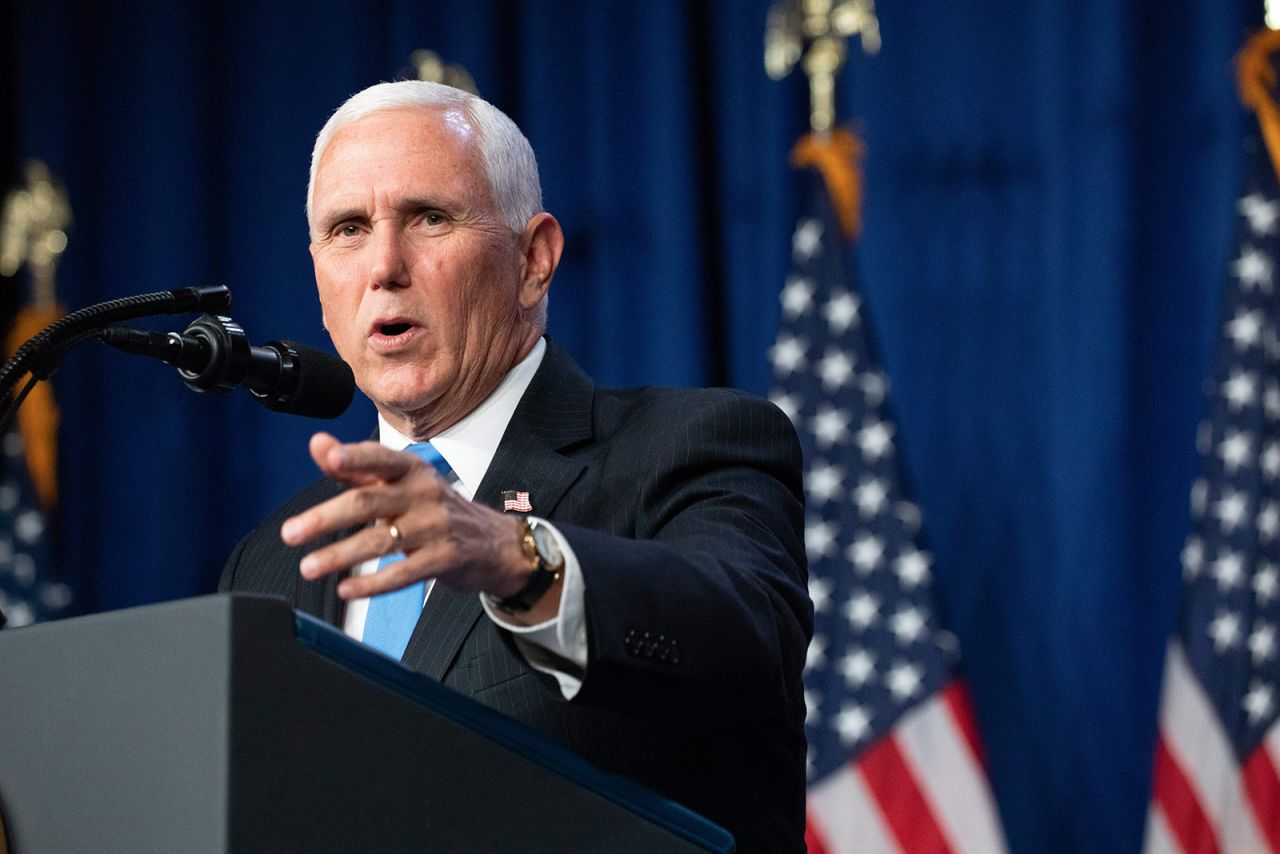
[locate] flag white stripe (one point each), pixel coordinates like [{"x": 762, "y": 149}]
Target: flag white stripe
[
  {"x": 950, "y": 778},
  {"x": 848, "y": 817},
  {"x": 1196, "y": 740},
  {"x": 1159, "y": 838},
  {"x": 1272, "y": 744}
]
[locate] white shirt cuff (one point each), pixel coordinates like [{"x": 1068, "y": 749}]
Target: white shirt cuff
[{"x": 559, "y": 645}]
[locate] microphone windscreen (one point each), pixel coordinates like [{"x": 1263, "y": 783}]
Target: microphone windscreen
[{"x": 325, "y": 384}]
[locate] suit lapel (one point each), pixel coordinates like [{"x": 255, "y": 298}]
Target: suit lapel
[{"x": 553, "y": 415}]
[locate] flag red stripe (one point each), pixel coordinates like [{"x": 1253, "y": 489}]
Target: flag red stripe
[
  {"x": 813, "y": 838},
  {"x": 956, "y": 696},
  {"x": 1182, "y": 811},
  {"x": 896, "y": 792},
  {"x": 1262, "y": 787}
]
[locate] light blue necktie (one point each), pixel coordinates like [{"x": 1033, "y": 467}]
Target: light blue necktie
[{"x": 392, "y": 616}]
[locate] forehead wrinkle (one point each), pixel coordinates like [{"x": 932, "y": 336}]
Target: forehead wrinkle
[{"x": 459, "y": 134}]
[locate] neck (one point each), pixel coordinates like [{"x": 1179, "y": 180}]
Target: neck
[{"x": 422, "y": 425}]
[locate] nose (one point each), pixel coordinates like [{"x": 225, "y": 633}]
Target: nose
[{"x": 388, "y": 267}]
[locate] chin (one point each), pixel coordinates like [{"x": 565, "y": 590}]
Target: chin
[{"x": 400, "y": 395}]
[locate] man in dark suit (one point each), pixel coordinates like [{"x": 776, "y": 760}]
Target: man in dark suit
[{"x": 623, "y": 570}]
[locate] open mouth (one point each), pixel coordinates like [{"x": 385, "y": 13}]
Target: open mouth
[{"x": 393, "y": 329}]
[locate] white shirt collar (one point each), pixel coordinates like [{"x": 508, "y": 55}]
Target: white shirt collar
[{"x": 469, "y": 445}]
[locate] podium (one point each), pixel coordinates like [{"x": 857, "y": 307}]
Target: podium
[{"x": 230, "y": 723}]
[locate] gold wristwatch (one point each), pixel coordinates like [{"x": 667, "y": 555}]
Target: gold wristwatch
[{"x": 546, "y": 563}]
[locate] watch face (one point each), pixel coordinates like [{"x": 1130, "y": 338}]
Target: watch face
[{"x": 548, "y": 548}]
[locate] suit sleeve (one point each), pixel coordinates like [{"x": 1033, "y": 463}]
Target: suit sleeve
[{"x": 703, "y": 607}]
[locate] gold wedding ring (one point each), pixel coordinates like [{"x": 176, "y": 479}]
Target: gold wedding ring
[{"x": 397, "y": 541}]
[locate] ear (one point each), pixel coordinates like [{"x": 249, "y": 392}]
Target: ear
[{"x": 544, "y": 243}]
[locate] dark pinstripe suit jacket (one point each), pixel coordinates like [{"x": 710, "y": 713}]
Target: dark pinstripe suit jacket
[{"x": 685, "y": 511}]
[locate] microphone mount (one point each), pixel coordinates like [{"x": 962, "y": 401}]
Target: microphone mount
[{"x": 39, "y": 356}]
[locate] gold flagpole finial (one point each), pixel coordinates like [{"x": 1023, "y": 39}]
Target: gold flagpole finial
[
  {"x": 428, "y": 65},
  {"x": 825, "y": 26},
  {"x": 33, "y": 231}
]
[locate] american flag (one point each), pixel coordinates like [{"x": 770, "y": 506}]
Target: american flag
[
  {"x": 514, "y": 501},
  {"x": 28, "y": 592},
  {"x": 1215, "y": 784},
  {"x": 894, "y": 760}
]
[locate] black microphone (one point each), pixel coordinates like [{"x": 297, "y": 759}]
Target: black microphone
[{"x": 214, "y": 354}]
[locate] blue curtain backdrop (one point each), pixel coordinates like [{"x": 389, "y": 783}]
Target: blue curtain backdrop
[{"x": 1048, "y": 202}]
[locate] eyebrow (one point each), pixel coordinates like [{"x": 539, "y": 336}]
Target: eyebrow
[
  {"x": 425, "y": 202},
  {"x": 329, "y": 220}
]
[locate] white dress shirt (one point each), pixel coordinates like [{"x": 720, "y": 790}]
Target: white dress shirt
[{"x": 557, "y": 646}]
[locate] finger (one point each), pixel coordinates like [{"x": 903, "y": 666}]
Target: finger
[
  {"x": 355, "y": 507},
  {"x": 334, "y": 460},
  {"x": 365, "y": 544},
  {"x": 363, "y": 460},
  {"x": 418, "y": 566}
]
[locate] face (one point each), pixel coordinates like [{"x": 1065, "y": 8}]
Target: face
[{"x": 423, "y": 288}]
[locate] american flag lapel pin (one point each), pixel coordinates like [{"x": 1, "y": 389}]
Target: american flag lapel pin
[{"x": 515, "y": 501}]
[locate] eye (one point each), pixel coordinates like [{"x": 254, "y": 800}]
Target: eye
[
  {"x": 433, "y": 218},
  {"x": 348, "y": 230}
]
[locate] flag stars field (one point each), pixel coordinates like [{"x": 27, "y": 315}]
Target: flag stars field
[
  {"x": 903, "y": 681},
  {"x": 789, "y": 405},
  {"x": 1231, "y": 509},
  {"x": 1268, "y": 522},
  {"x": 1271, "y": 460},
  {"x": 1236, "y": 450},
  {"x": 863, "y": 611},
  {"x": 871, "y": 496},
  {"x": 875, "y": 439},
  {"x": 1225, "y": 631},
  {"x": 1199, "y": 496},
  {"x": 908, "y": 625},
  {"x": 853, "y": 723},
  {"x": 1192, "y": 556},
  {"x": 1271, "y": 395},
  {"x": 816, "y": 654},
  {"x": 1260, "y": 213},
  {"x": 788, "y": 355},
  {"x": 820, "y": 538},
  {"x": 857, "y": 668},
  {"x": 797, "y": 296},
  {"x": 1262, "y": 643},
  {"x": 835, "y": 368},
  {"x": 1228, "y": 570},
  {"x": 1266, "y": 583},
  {"x": 1245, "y": 329},
  {"x": 1253, "y": 269},
  {"x": 1259, "y": 702},
  {"x": 824, "y": 483},
  {"x": 840, "y": 312},
  {"x": 1241, "y": 390},
  {"x": 820, "y": 593},
  {"x": 806, "y": 241},
  {"x": 866, "y": 552},
  {"x": 912, "y": 568},
  {"x": 830, "y": 426}
]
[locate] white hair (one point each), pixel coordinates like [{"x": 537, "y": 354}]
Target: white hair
[{"x": 508, "y": 158}]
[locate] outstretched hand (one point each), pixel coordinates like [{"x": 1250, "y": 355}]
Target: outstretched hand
[{"x": 464, "y": 545}]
